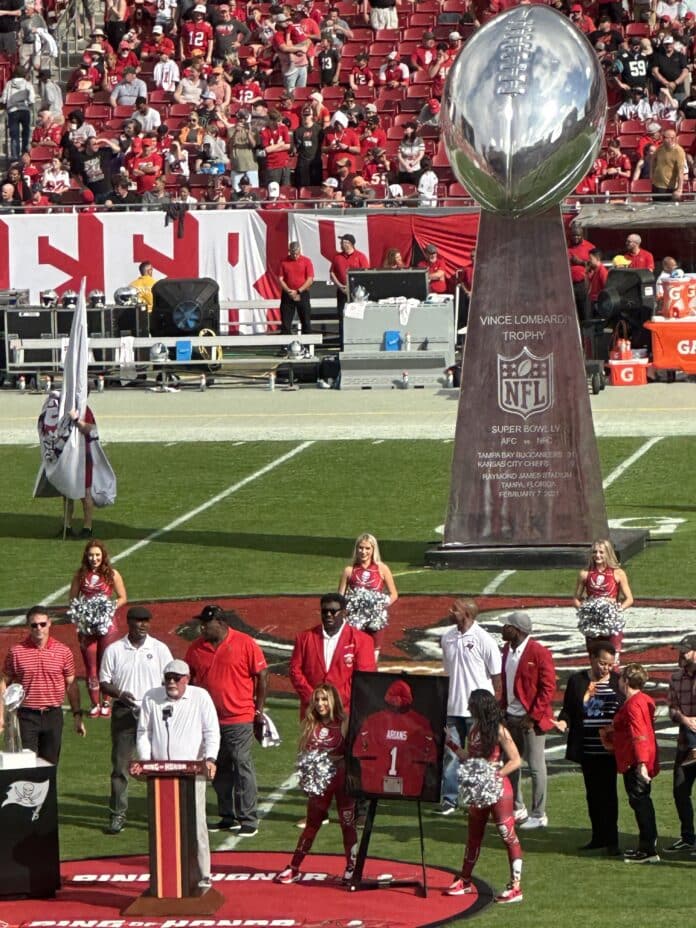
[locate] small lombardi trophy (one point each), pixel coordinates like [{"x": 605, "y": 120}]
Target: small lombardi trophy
[
  {"x": 12, "y": 699},
  {"x": 523, "y": 115}
]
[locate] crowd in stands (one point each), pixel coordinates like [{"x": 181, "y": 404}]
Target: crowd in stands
[{"x": 334, "y": 104}]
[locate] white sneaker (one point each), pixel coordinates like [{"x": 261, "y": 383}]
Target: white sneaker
[
  {"x": 535, "y": 821},
  {"x": 521, "y": 815}
]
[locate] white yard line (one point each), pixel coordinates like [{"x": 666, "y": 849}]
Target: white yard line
[
  {"x": 504, "y": 575},
  {"x": 186, "y": 517},
  {"x": 264, "y": 808}
]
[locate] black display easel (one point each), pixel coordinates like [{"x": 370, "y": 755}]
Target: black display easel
[{"x": 357, "y": 881}]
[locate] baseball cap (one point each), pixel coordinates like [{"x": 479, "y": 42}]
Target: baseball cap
[
  {"x": 281, "y": 18},
  {"x": 207, "y": 95},
  {"x": 690, "y": 16},
  {"x": 434, "y": 105},
  {"x": 347, "y": 237},
  {"x": 399, "y": 695},
  {"x": 340, "y": 118},
  {"x": 178, "y": 666},
  {"x": 621, "y": 261},
  {"x": 158, "y": 30},
  {"x": 330, "y": 182},
  {"x": 396, "y": 190},
  {"x": 371, "y": 108},
  {"x": 273, "y": 189},
  {"x": 668, "y": 40},
  {"x": 518, "y": 620},
  {"x": 392, "y": 56},
  {"x": 317, "y": 96},
  {"x": 137, "y": 613},
  {"x": 688, "y": 643},
  {"x": 208, "y": 613},
  {"x": 653, "y": 127},
  {"x": 634, "y": 40},
  {"x": 199, "y": 8},
  {"x": 430, "y": 249},
  {"x": 453, "y": 36},
  {"x": 576, "y": 8},
  {"x": 98, "y": 32}
]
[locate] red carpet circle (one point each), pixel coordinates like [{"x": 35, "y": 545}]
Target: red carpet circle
[{"x": 95, "y": 891}]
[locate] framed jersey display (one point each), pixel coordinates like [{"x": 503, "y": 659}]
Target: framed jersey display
[{"x": 396, "y": 736}]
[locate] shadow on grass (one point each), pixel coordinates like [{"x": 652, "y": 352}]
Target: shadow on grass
[{"x": 35, "y": 527}]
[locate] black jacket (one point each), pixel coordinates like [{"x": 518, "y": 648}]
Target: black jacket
[{"x": 572, "y": 711}]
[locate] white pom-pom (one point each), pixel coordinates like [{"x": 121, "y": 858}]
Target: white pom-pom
[
  {"x": 479, "y": 783},
  {"x": 92, "y": 615},
  {"x": 315, "y": 771},
  {"x": 600, "y": 617},
  {"x": 367, "y": 609}
]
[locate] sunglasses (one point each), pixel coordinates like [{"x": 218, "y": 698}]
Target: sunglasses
[
  {"x": 331, "y": 611},
  {"x": 38, "y": 624},
  {"x": 173, "y": 676}
]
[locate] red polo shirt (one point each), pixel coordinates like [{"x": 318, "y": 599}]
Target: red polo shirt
[
  {"x": 642, "y": 261},
  {"x": 43, "y": 672},
  {"x": 582, "y": 251},
  {"x": 341, "y": 264},
  {"x": 295, "y": 272},
  {"x": 435, "y": 286},
  {"x": 227, "y": 672}
]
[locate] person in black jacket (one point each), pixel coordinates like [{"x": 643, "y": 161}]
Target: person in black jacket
[{"x": 590, "y": 702}]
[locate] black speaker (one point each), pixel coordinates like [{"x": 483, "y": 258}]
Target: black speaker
[{"x": 182, "y": 307}]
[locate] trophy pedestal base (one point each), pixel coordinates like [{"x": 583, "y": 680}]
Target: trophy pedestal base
[
  {"x": 207, "y": 903},
  {"x": 17, "y": 760},
  {"x": 626, "y": 542}
]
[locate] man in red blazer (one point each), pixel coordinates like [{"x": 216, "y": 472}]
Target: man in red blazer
[
  {"x": 330, "y": 653},
  {"x": 529, "y": 683}
]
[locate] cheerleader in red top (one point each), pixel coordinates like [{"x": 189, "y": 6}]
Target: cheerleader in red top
[
  {"x": 324, "y": 728},
  {"x": 96, "y": 576},
  {"x": 604, "y": 579},
  {"x": 368, "y": 571},
  {"x": 489, "y": 738}
]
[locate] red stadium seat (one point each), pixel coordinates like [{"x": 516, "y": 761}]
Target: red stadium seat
[
  {"x": 617, "y": 185},
  {"x": 96, "y": 112},
  {"x": 457, "y": 190},
  {"x": 687, "y": 125},
  {"x": 180, "y": 109},
  {"x": 122, "y": 112},
  {"x": 77, "y": 98},
  {"x": 161, "y": 96},
  {"x": 421, "y": 77},
  {"x": 388, "y": 35},
  {"x": 43, "y": 153},
  {"x": 311, "y": 193},
  {"x": 629, "y": 144},
  {"x": 639, "y": 29},
  {"x": 641, "y": 190},
  {"x": 686, "y": 140},
  {"x": 632, "y": 127},
  {"x": 423, "y": 19}
]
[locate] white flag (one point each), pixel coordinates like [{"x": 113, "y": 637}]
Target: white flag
[
  {"x": 63, "y": 448},
  {"x": 27, "y": 794}
]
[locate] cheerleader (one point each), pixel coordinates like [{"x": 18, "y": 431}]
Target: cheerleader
[
  {"x": 324, "y": 728},
  {"x": 490, "y": 739},
  {"x": 604, "y": 579},
  {"x": 95, "y": 577},
  {"x": 369, "y": 572}
]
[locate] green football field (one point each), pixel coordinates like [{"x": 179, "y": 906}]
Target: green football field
[
  {"x": 281, "y": 517},
  {"x": 209, "y": 519}
]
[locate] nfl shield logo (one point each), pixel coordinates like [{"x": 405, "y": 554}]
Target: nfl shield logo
[{"x": 525, "y": 383}]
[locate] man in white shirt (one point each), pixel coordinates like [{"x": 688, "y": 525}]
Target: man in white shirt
[
  {"x": 179, "y": 722},
  {"x": 130, "y": 667},
  {"x": 471, "y": 659}
]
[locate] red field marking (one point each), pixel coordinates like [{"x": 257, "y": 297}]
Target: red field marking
[{"x": 98, "y": 889}]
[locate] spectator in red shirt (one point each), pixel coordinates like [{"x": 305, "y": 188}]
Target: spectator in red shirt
[
  {"x": 440, "y": 67},
  {"x": 425, "y": 53},
  {"x": 146, "y": 167},
  {"x": 48, "y": 131},
  {"x": 275, "y": 140},
  {"x": 126, "y": 58},
  {"x": 158, "y": 43},
  {"x": 580, "y": 20},
  {"x": 618, "y": 164},
  {"x": 248, "y": 91},
  {"x": 579, "y": 256},
  {"x": 296, "y": 278},
  {"x": 436, "y": 268},
  {"x": 597, "y": 277},
  {"x": 653, "y": 137},
  {"x": 340, "y": 142},
  {"x": 361, "y": 75},
  {"x": 197, "y": 35},
  {"x": 347, "y": 259},
  {"x": 393, "y": 73},
  {"x": 373, "y": 135},
  {"x": 232, "y": 668},
  {"x": 288, "y": 113},
  {"x": 639, "y": 257}
]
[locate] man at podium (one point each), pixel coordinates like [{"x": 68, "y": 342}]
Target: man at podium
[{"x": 179, "y": 722}]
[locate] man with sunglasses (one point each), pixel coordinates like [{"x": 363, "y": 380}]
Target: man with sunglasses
[
  {"x": 179, "y": 722},
  {"x": 46, "y": 670},
  {"x": 232, "y": 668},
  {"x": 330, "y": 653}
]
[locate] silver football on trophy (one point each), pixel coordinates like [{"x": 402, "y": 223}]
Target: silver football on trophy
[
  {"x": 13, "y": 697},
  {"x": 523, "y": 111}
]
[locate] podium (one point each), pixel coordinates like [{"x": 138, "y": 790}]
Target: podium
[
  {"x": 29, "y": 857},
  {"x": 171, "y": 806}
]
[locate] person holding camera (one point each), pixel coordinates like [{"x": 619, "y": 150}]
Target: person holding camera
[{"x": 242, "y": 144}]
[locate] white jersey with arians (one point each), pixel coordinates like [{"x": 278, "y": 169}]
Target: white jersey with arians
[
  {"x": 470, "y": 659},
  {"x": 132, "y": 669},
  {"x": 178, "y": 729}
]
